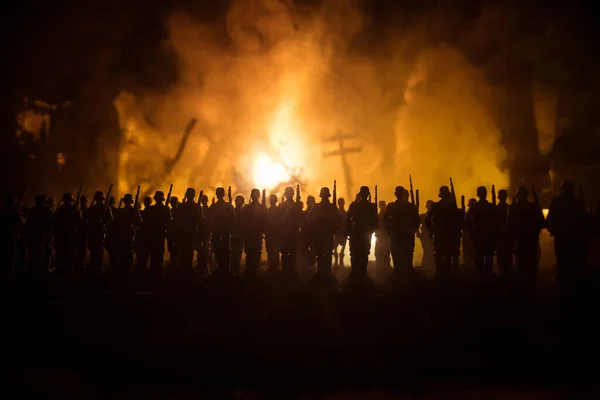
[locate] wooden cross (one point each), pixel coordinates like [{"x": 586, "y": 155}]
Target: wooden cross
[{"x": 342, "y": 152}]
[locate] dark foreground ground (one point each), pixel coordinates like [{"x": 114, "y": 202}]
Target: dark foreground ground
[{"x": 186, "y": 337}]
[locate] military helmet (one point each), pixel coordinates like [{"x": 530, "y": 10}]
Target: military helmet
[
  {"x": 67, "y": 198},
  {"x": 159, "y": 195},
  {"x": 128, "y": 198},
  {"x": 364, "y": 190},
  {"x": 99, "y": 196},
  {"x": 324, "y": 193}
]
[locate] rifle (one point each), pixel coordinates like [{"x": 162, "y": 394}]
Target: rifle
[
  {"x": 120, "y": 202},
  {"x": 418, "y": 204},
  {"x": 335, "y": 193},
  {"x": 412, "y": 192},
  {"x": 108, "y": 199},
  {"x": 200, "y": 204},
  {"x": 298, "y": 194},
  {"x": 229, "y": 194},
  {"x": 78, "y": 196},
  {"x": 452, "y": 190},
  {"x": 494, "y": 194},
  {"x": 462, "y": 203},
  {"x": 264, "y": 198},
  {"x": 376, "y": 202},
  {"x": 137, "y": 198},
  {"x": 200, "y": 197},
  {"x": 169, "y": 195}
]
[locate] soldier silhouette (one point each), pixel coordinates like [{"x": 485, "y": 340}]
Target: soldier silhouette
[
  {"x": 111, "y": 239},
  {"x": 125, "y": 223},
  {"x": 525, "y": 221},
  {"x": 97, "y": 217},
  {"x": 307, "y": 252},
  {"x": 321, "y": 225},
  {"x": 254, "y": 225},
  {"x": 467, "y": 241},
  {"x": 382, "y": 244},
  {"x": 237, "y": 236},
  {"x": 402, "y": 222},
  {"x": 203, "y": 246},
  {"x": 82, "y": 235},
  {"x": 10, "y": 230},
  {"x": 482, "y": 221},
  {"x": 442, "y": 222},
  {"x": 173, "y": 234},
  {"x": 156, "y": 220},
  {"x": 38, "y": 229},
  {"x": 361, "y": 222},
  {"x": 504, "y": 243},
  {"x": 272, "y": 236},
  {"x": 340, "y": 235},
  {"x": 289, "y": 221},
  {"x": 424, "y": 236},
  {"x": 142, "y": 238},
  {"x": 189, "y": 220},
  {"x": 222, "y": 219},
  {"x": 569, "y": 224},
  {"x": 66, "y": 225}
]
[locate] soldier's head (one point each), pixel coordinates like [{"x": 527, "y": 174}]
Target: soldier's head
[
  {"x": 310, "y": 201},
  {"x": 400, "y": 192},
  {"x": 273, "y": 199},
  {"x": 567, "y": 187},
  {"x": 472, "y": 201},
  {"x": 481, "y": 192},
  {"x": 522, "y": 193},
  {"x": 324, "y": 194},
  {"x": 174, "y": 201},
  {"x": 444, "y": 192},
  {"x": 99, "y": 196},
  {"x": 220, "y": 193},
  {"x": 147, "y": 201},
  {"x": 255, "y": 195},
  {"x": 67, "y": 198},
  {"x": 341, "y": 202},
  {"x": 40, "y": 200},
  {"x": 382, "y": 204},
  {"x": 112, "y": 201},
  {"x": 190, "y": 194},
  {"x": 364, "y": 193},
  {"x": 204, "y": 199},
  {"x": 83, "y": 201},
  {"x": 128, "y": 199},
  {"x": 239, "y": 201},
  {"x": 50, "y": 202},
  {"x": 159, "y": 197},
  {"x": 288, "y": 193},
  {"x": 429, "y": 205},
  {"x": 502, "y": 195}
]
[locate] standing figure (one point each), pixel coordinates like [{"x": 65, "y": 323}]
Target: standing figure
[
  {"x": 442, "y": 222},
  {"x": 124, "y": 225},
  {"x": 321, "y": 225},
  {"x": 66, "y": 224},
  {"x": 467, "y": 240},
  {"x": 189, "y": 220},
  {"x": 254, "y": 225},
  {"x": 307, "y": 255},
  {"x": 222, "y": 219},
  {"x": 272, "y": 236},
  {"x": 361, "y": 222},
  {"x": 38, "y": 232},
  {"x": 82, "y": 234},
  {"x": 402, "y": 222},
  {"x": 10, "y": 230},
  {"x": 156, "y": 220},
  {"x": 525, "y": 221},
  {"x": 142, "y": 238},
  {"x": 340, "y": 235},
  {"x": 203, "y": 237},
  {"x": 111, "y": 239},
  {"x": 237, "y": 238},
  {"x": 482, "y": 220},
  {"x": 382, "y": 244},
  {"x": 424, "y": 236},
  {"x": 569, "y": 223},
  {"x": 97, "y": 217},
  {"x": 289, "y": 220},
  {"x": 173, "y": 234},
  {"x": 504, "y": 243}
]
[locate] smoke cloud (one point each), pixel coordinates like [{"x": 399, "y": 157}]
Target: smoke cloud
[{"x": 286, "y": 76}]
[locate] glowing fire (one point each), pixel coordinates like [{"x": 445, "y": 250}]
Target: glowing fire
[
  {"x": 545, "y": 211},
  {"x": 267, "y": 172}
]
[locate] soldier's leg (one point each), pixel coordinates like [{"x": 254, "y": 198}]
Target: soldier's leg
[
  {"x": 202, "y": 264},
  {"x": 157, "y": 257},
  {"x": 236, "y": 258},
  {"x": 186, "y": 252},
  {"x": 273, "y": 258},
  {"x": 96, "y": 258}
]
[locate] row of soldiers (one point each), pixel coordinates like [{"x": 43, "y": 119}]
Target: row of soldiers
[{"x": 194, "y": 229}]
